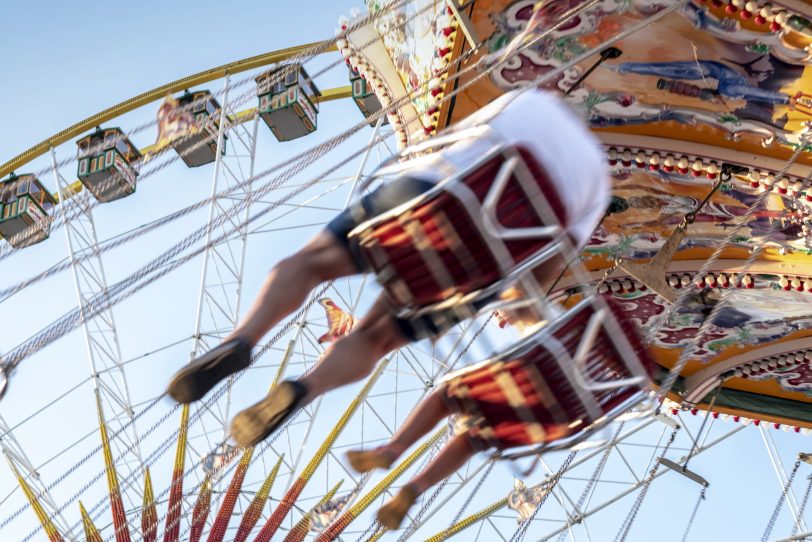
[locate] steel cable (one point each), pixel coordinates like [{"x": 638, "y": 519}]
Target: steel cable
[{"x": 547, "y": 76}]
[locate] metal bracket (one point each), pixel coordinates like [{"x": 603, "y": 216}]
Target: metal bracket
[
  {"x": 652, "y": 274},
  {"x": 805, "y": 457},
  {"x": 465, "y": 23},
  {"x": 691, "y": 475},
  {"x": 667, "y": 420}
]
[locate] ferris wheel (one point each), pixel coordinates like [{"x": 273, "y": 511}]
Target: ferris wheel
[{"x": 123, "y": 463}]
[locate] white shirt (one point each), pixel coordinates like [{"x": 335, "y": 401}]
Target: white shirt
[{"x": 560, "y": 141}]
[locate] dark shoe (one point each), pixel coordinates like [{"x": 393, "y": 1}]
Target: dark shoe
[
  {"x": 256, "y": 423},
  {"x": 196, "y": 379},
  {"x": 392, "y": 513}
]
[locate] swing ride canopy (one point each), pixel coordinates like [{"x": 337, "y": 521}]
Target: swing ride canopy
[{"x": 703, "y": 109}]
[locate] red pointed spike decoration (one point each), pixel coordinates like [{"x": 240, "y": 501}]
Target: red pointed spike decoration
[
  {"x": 122, "y": 529},
  {"x": 172, "y": 528},
  {"x": 201, "y": 511},
  {"x": 254, "y": 510},
  {"x": 218, "y": 529},
  {"x": 149, "y": 515}
]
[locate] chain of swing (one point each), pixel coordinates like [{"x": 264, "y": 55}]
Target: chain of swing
[
  {"x": 579, "y": 506},
  {"x": 693, "y": 513},
  {"x": 802, "y": 509},
  {"x": 518, "y": 536},
  {"x": 626, "y": 526},
  {"x": 780, "y": 503}
]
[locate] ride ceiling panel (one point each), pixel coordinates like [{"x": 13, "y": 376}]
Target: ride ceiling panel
[
  {"x": 699, "y": 74},
  {"x": 709, "y": 80},
  {"x": 647, "y": 206}
]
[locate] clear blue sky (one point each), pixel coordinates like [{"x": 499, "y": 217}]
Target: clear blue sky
[{"x": 65, "y": 61}]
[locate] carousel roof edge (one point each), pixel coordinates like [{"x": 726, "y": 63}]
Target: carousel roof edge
[
  {"x": 710, "y": 152},
  {"x": 698, "y": 384}
]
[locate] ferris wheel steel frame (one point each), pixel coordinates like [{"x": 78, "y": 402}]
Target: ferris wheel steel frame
[
  {"x": 21, "y": 465},
  {"x": 111, "y": 389},
  {"x": 781, "y": 475},
  {"x": 215, "y": 328},
  {"x": 218, "y": 306}
]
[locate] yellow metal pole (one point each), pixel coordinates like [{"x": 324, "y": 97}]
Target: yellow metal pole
[
  {"x": 299, "y": 531},
  {"x": 363, "y": 503},
  {"x": 467, "y": 522},
  {"x": 273, "y": 523},
  {"x": 48, "y": 525},
  {"x": 156, "y": 94}
]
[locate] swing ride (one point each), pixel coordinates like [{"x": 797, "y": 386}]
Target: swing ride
[{"x": 683, "y": 323}]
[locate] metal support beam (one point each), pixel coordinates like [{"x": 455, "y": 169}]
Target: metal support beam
[
  {"x": 101, "y": 338},
  {"x": 639, "y": 484},
  {"x": 16, "y": 456},
  {"x": 218, "y": 306},
  {"x": 464, "y": 21},
  {"x": 775, "y": 460}
]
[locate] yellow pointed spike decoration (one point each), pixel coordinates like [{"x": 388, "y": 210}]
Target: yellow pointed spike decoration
[
  {"x": 273, "y": 523},
  {"x": 91, "y": 532},
  {"x": 347, "y": 517},
  {"x": 48, "y": 525},
  {"x": 218, "y": 528},
  {"x": 149, "y": 515},
  {"x": 201, "y": 510},
  {"x": 254, "y": 510},
  {"x": 122, "y": 529},
  {"x": 299, "y": 531},
  {"x": 467, "y": 522},
  {"x": 283, "y": 365},
  {"x": 172, "y": 528}
]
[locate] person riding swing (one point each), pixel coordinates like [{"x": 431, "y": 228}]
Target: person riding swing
[
  {"x": 558, "y": 384},
  {"x": 545, "y": 162}
]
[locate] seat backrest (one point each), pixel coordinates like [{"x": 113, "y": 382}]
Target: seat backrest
[{"x": 615, "y": 360}]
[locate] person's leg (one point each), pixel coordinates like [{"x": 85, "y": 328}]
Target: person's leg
[
  {"x": 347, "y": 360},
  {"x": 353, "y": 357},
  {"x": 450, "y": 459},
  {"x": 287, "y": 285},
  {"x": 422, "y": 420},
  {"x": 325, "y": 257}
]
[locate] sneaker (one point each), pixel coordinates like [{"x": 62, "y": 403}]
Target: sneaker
[
  {"x": 198, "y": 378},
  {"x": 256, "y": 423},
  {"x": 365, "y": 460},
  {"x": 392, "y": 513}
]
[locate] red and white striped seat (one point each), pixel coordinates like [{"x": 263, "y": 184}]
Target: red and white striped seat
[
  {"x": 557, "y": 385},
  {"x": 483, "y": 223}
]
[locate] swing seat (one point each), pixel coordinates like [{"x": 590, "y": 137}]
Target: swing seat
[
  {"x": 558, "y": 385},
  {"x": 496, "y": 217}
]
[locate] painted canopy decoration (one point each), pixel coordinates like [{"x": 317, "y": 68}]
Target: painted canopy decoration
[
  {"x": 710, "y": 86},
  {"x": 403, "y": 56}
]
